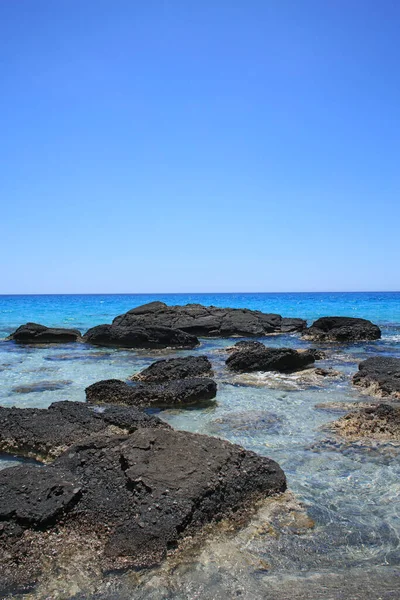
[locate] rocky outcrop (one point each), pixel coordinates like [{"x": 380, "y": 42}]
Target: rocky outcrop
[
  {"x": 195, "y": 391},
  {"x": 379, "y": 376},
  {"x": 33, "y": 333},
  {"x": 208, "y": 321},
  {"x": 285, "y": 360},
  {"x": 139, "y": 336},
  {"x": 135, "y": 496},
  {"x": 380, "y": 422},
  {"x": 246, "y": 345},
  {"x": 175, "y": 368},
  {"x": 342, "y": 329},
  {"x": 44, "y": 434}
]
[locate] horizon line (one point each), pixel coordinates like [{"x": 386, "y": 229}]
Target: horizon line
[{"x": 194, "y": 293}]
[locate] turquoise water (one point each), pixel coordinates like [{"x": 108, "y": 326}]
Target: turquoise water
[{"x": 350, "y": 491}]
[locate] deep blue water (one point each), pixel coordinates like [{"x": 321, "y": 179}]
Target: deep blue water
[{"x": 350, "y": 491}]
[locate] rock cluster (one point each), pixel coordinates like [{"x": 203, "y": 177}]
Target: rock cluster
[
  {"x": 342, "y": 329},
  {"x": 33, "y": 333},
  {"x": 209, "y": 321},
  {"x": 380, "y": 376}
]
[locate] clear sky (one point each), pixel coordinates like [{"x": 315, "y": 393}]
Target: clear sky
[{"x": 208, "y": 145}]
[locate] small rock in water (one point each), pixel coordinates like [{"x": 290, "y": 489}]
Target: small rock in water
[
  {"x": 381, "y": 422},
  {"x": 342, "y": 329},
  {"x": 380, "y": 376},
  {"x": 33, "y": 333},
  {"x": 175, "y": 368},
  {"x": 41, "y": 386}
]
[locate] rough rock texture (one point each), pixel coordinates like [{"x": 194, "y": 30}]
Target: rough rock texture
[
  {"x": 141, "y": 493},
  {"x": 175, "y": 368},
  {"x": 380, "y": 422},
  {"x": 196, "y": 391},
  {"x": 342, "y": 329},
  {"x": 380, "y": 376},
  {"x": 32, "y": 333},
  {"x": 284, "y": 360},
  {"x": 246, "y": 345},
  {"x": 139, "y": 336},
  {"x": 209, "y": 321},
  {"x": 44, "y": 434}
]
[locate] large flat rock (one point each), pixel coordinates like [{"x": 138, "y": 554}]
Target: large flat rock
[
  {"x": 194, "y": 391},
  {"x": 137, "y": 495},
  {"x": 380, "y": 376},
  {"x": 209, "y": 321},
  {"x": 44, "y": 434},
  {"x": 139, "y": 336}
]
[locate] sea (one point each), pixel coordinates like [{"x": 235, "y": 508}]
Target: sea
[{"x": 336, "y": 535}]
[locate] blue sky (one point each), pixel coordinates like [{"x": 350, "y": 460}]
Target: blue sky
[{"x": 172, "y": 146}]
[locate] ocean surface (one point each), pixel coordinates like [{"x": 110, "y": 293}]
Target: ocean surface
[{"x": 349, "y": 491}]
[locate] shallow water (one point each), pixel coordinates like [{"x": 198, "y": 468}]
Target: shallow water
[{"x": 350, "y": 491}]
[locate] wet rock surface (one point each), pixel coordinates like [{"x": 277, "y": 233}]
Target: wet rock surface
[
  {"x": 342, "y": 329},
  {"x": 134, "y": 335},
  {"x": 381, "y": 422},
  {"x": 380, "y": 376},
  {"x": 285, "y": 360},
  {"x": 209, "y": 321},
  {"x": 139, "y": 493},
  {"x": 246, "y": 345},
  {"x": 175, "y": 368},
  {"x": 44, "y": 434},
  {"x": 195, "y": 391},
  {"x": 34, "y": 333}
]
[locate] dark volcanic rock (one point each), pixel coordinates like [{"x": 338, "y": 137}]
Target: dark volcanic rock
[
  {"x": 32, "y": 333},
  {"x": 141, "y": 494},
  {"x": 138, "y": 336},
  {"x": 208, "y": 321},
  {"x": 45, "y": 433},
  {"x": 380, "y": 422},
  {"x": 342, "y": 329},
  {"x": 380, "y": 376},
  {"x": 195, "y": 391},
  {"x": 284, "y": 360},
  {"x": 175, "y": 368}
]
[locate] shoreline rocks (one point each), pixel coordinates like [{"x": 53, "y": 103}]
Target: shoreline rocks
[
  {"x": 45, "y": 433},
  {"x": 34, "y": 333},
  {"x": 380, "y": 376},
  {"x": 136, "y": 495},
  {"x": 182, "y": 393},
  {"x": 209, "y": 321},
  {"x": 342, "y": 329},
  {"x": 284, "y": 360},
  {"x": 132, "y": 336},
  {"x": 381, "y": 422},
  {"x": 175, "y": 368}
]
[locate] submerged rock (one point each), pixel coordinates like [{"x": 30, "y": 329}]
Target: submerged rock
[
  {"x": 342, "y": 329},
  {"x": 251, "y": 420},
  {"x": 194, "y": 391},
  {"x": 137, "y": 336},
  {"x": 175, "y": 368},
  {"x": 44, "y": 434},
  {"x": 380, "y": 376},
  {"x": 139, "y": 496},
  {"x": 41, "y": 386},
  {"x": 208, "y": 321},
  {"x": 33, "y": 333},
  {"x": 285, "y": 360},
  {"x": 381, "y": 422}
]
